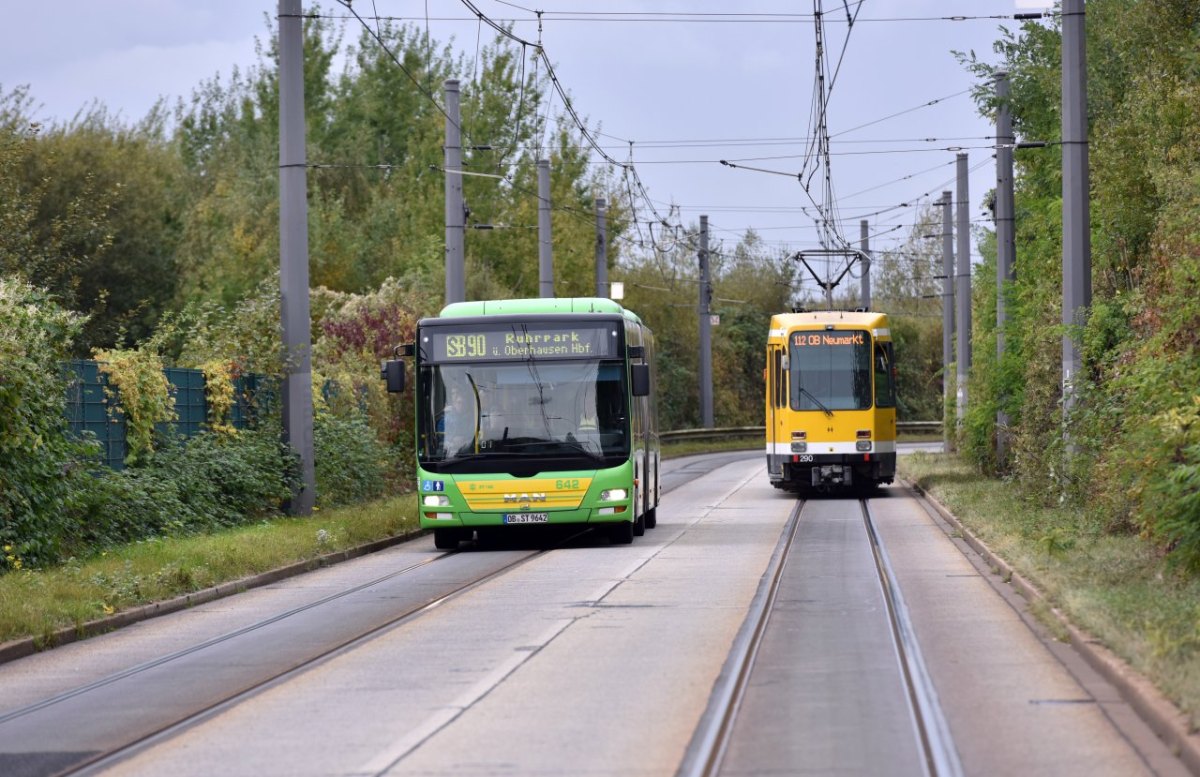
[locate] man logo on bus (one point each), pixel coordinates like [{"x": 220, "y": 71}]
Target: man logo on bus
[{"x": 534, "y": 497}]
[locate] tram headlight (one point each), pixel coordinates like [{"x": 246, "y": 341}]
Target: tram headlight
[
  {"x": 799, "y": 447},
  {"x": 613, "y": 495},
  {"x": 863, "y": 445},
  {"x": 437, "y": 500}
]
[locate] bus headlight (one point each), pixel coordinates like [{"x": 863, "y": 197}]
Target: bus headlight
[
  {"x": 437, "y": 500},
  {"x": 799, "y": 447},
  {"x": 613, "y": 495},
  {"x": 863, "y": 445}
]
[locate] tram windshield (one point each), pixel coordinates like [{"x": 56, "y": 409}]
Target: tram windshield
[
  {"x": 830, "y": 370},
  {"x": 531, "y": 408}
]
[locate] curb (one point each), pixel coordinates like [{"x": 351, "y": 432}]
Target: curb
[
  {"x": 26, "y": 646},
  {"x": 1155, "y": 709}
]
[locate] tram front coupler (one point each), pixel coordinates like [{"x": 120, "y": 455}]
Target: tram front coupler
[{"x": 829, "y": 475}]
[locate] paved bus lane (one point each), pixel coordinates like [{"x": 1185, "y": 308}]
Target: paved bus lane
[{"x": 591, "y": 660}]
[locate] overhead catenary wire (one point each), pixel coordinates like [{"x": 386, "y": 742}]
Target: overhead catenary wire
[
  {"x": 639, "y": 199},
  {"x": 377, "y": 35},
  {"x": 692, "y": 17},
  {"x": 563, "y": 95}
]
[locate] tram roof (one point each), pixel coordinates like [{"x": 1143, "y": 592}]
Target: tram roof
[
  {"x": 536, "y": 306},
  {"x": 870, "y": 319}
]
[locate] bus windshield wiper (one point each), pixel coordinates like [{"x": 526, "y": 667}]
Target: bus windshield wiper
[
  {"x": 580, "y": 447},
  {"x": 574, "y": 445},
  {"x": 816, "y": 401}
]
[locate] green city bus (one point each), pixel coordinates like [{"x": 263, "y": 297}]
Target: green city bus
[{"x": 534, "y": 411}]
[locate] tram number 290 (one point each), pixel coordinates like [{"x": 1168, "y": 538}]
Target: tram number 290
[{"x": 805, "y": 458}]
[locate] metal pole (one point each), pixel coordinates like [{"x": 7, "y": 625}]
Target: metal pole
[
  {"x": 456, "y": 290},
  {"x": 947, "y": 314},
  {"x": 601, "y": 248},
  {"x": 1077, "y": 252},
  {"x": 297, "y": 406},
  {"x": 962, "y": 287},
  {"x": 1006, "y": 250},
  {"x": 706, "y": 395},
  {"x": 865, "y": 246},
  {"x": 545, "y": 257}
]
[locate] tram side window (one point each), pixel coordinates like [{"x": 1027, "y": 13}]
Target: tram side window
[
  {"x": 779, "y": 392},
  {"x": 885, "y": 383}
]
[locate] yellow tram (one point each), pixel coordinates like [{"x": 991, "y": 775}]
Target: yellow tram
[{"x": 831, "y": 400}]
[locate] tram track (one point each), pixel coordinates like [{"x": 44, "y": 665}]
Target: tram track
[
  {"x": 706, "y": 754},
  {"x": 937, "y": 744},
  {"x": 274, "y": 659},
  {"x": 266, "y": 653}
]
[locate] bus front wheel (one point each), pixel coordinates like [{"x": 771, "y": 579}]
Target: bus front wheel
[
  {"x": 446, "y": 539},
  {"x": 621, "y": 533}
]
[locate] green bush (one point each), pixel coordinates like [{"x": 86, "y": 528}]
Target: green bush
[
  {"x": 190, "y": 486},
  {"x": 36, "y": 475},
  {"x": 227, "y": 480},
  {"x": 351, "y": 463}
]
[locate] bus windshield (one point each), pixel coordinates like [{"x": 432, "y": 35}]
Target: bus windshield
[
  {"x": 830, "y": 370},
  {"x": 530, "y": 408}
]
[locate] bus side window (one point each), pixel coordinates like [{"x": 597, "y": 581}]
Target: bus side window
[{"x": 885, "y": 384}]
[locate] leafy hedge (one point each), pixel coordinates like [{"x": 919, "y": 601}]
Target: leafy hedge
[
  {"x": 1134, "y": 454},
  {"x": 205, "y": 483},
  {"x": 57, "y": 500},
  {"x": 39, "y": 476}
]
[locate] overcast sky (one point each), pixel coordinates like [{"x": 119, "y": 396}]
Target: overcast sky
[{"x": 689, "y": 90}]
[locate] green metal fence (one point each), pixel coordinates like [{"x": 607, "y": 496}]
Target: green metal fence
[{"x": 91, "y": 411}]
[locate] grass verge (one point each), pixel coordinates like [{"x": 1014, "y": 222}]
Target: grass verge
[
  {"x": 1117, "y": 587},
  {"x": 36, "y": 603}
]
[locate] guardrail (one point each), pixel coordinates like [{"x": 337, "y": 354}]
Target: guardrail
[
  {"x": 727, "y": 433},
  {"x": 734, "y": 432},
  {"x": 934, "y": 427}
]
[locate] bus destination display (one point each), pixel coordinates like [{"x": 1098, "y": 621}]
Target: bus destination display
[{"x": 567, "y": 342}]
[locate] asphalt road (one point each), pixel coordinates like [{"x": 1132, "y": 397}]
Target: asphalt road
[{"x": 588, "y": 659}]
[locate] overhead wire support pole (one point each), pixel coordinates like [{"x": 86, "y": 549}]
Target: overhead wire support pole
[
  {"x": 455, "y": 208},
  {"x": 865, "y": 279},
  {"x": 1006, "y": 246},
  {"x": 297, "y": 404},
  {"x": 705, "y": 320},
  {"x": 1077, "y": 254},
  {"x": 947, "y": 203},
  {"x": 601, "y": 248},
  {"x": 545, "y": 253},
  {"x": 962, "y": 296}
]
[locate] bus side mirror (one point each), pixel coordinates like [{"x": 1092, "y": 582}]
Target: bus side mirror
[
  {"x": 393, "y": 373},
  {"x": 640, "y": 374}
]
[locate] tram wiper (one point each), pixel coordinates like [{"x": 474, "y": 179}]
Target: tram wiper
[{"x": 816, "y": 401}]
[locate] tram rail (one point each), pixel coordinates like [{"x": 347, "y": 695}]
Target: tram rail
[
  {"x": 706, "y": 753},
  {"x": 95, "y": 701}
]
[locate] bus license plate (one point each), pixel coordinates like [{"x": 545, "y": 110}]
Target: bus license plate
[{"x": 526, "y": 518}]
